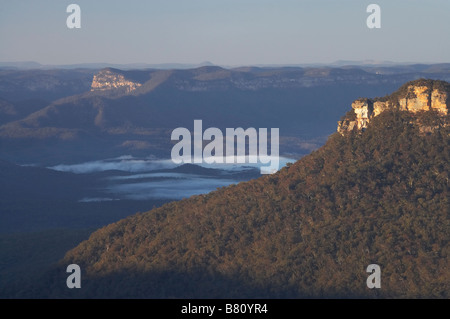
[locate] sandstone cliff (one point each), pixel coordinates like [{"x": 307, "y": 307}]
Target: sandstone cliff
[
  {"x": 108, "y": 79},
  {"x": 414, "y": 96}
]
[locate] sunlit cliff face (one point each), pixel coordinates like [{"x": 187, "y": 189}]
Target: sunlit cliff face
[
  {"x": 107, "y": 80},
  {"x": 417, "y": 98}
]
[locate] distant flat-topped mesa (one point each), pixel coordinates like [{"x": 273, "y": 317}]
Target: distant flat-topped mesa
[
  {"x": 414, "y": 96},
  {"x": 109, "y": 78}
]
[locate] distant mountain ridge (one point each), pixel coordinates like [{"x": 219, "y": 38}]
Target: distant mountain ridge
[
  {"x": 30, "y": 65},
  {"x": 244, "y": 78}
]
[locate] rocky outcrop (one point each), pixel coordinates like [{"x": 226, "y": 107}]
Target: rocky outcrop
[
  {"x": 107, "y": 79},
  {"x": 440, "y": 101},
  {"x": 415, "y": 96}
]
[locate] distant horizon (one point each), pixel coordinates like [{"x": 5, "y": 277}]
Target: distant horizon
[{"x": 142, "y": 65}]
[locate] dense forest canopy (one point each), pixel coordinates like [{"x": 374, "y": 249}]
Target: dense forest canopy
[
  {"x": 309, "y": 231},
  {"x": 375, "y": 197}
]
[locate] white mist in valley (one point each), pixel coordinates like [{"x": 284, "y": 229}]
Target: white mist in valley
[{"x": 130, "y": 178}]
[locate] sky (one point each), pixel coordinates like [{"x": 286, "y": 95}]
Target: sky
[{"x": 224, "y": 32}]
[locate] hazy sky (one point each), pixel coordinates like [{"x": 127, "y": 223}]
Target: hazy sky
[{"x": 225, "y": 32}]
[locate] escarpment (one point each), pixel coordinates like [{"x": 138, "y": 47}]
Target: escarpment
[
  {"x": 415, "y": 96},
  {"x": 107, "y": 79}
]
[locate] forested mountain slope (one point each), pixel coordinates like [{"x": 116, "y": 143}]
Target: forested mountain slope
[{"x": 378, "y": 196}]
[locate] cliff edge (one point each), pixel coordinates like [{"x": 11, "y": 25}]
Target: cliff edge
[{"x": 415, "y": 96}]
